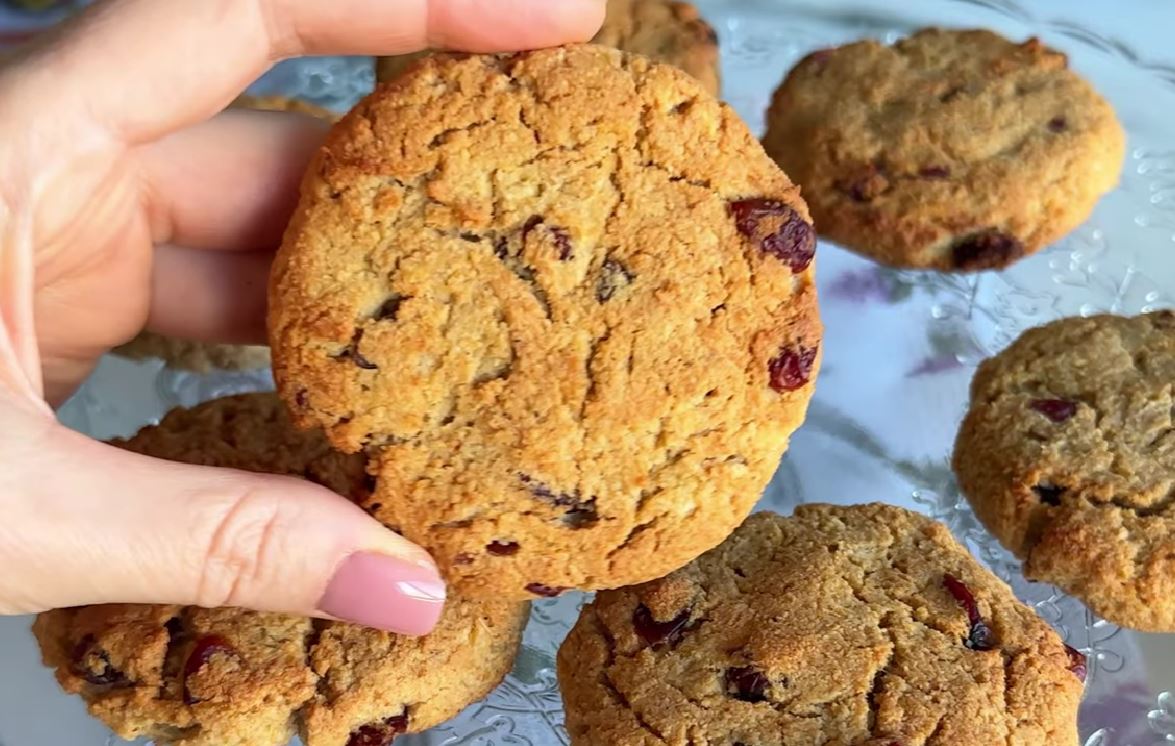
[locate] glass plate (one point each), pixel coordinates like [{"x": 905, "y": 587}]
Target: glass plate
[{"x": 899, "y": 353}]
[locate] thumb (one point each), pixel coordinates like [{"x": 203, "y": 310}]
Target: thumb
[{"x": 84, "y": 522}]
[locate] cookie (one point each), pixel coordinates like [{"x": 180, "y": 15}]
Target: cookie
[
  {"x": 202, "y": 357},
  {"x": 193, "y": 356},
  {"x": 566, "y": 298},
  {"x": 210, "y": 677},
  {"x": 859, "y": 626},
  {"x": 950, "y": 150},
  {"x": 1067, "y": 455},
  {"x": 667, "y": 31}
]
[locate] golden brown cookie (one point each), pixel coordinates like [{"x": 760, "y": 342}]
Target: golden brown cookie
[
  {"x": 1067, "y": 455},
  {"x": 202, "y": 357},
  {"x": 855, "y": 626},
  {"x": 211, "y": 677},
  {"x": 567, "y": 298},
  {"x": 950, "y": 150},
  {"x": 667, "y": 31}
]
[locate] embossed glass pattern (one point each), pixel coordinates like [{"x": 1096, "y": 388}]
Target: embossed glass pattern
[{"x": 900, "y": 350}]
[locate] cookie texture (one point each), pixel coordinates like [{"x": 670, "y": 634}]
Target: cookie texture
[
  {"x": 950, "y": 150},
  {"x": 667, "y": 31},
  {"x": 857, "y": 626},
  {"x": 202, "y": 357},
  {"x": 190, "y": 355},
  {"x": 1067, "y": 455},
  {"x": 567, "y": 300},
  {"x": 230, "y": 677}
]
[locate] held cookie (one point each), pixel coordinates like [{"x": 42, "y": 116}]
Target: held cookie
[
  {"x": 667, "y": 31},
  {"x": 1068, "y": 456},
  {"x": 568, "y": 300},
  {"x": 860, "y": 626},
  {"x": 209, "y": 677},
  {"x": 950, "y": 150},
  {"x": 202, "y": 357}
]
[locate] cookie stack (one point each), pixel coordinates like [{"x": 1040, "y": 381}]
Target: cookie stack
[{"x": 552, "y": 316}]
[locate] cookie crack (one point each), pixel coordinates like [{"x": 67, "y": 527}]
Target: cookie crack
[
  {"x": 879, "y": 677},
  {"x": 589, "y": 376},
  {"x": 624, "y": 704},
  {"x": 610, "y": 686}
]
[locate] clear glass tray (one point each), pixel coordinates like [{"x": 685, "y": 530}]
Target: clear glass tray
[{"x": 899, "y": 353}]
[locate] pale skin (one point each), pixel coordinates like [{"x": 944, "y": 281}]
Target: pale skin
[{"x": 127, "y": 201}]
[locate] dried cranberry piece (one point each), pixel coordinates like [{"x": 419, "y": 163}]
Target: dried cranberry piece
[
  {"x": 747, "y": 684},
  {"x": 580, "y": 513},
  {"x": 502, "y": 548},
  {"x": 381, "y": 733},
  {"x": 547, "y": 591},
  {"x": 614, "y": 276},
  {"x": 352, "y": 353},
  {"x": 561, "y": 237},
  {"x": 563, "y": 243},
  {"x": 866, "y": 184},
  {"x": 104, "y": 674},
  {"x": 1057, "y": 410},
  {"x": 654, "y": 632},
  {"x": 302, "y": 398},
  {"x": 1049, "y": 494},
  {"x": 1077, "y": 663},
  {"x": 793, "y": 242},
  {"x": 980, "y": 637},
  {"x": 935, "y": 172},
  {"x": 791, "y": 368},
  {"x": 989, "y": 249},
  {"x": 1058, "y": 124},
  {"x": 952, "y": 93},
  {"x": 390, "y": 308},
  {"x": 205, "y": 648}
]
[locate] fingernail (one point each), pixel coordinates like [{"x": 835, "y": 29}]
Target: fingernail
[{"x": 385, "y": 592}]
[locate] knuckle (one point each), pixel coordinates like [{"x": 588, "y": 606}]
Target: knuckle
[{"x": 242, "y": 550}]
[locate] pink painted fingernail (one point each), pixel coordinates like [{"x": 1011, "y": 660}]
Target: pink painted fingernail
[{"x": 385, "y": 592}]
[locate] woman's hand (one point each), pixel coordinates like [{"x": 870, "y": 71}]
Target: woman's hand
[{"x": 124, "y": 201}]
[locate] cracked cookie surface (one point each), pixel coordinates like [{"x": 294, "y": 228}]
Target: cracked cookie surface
[
  {"x": 666, "y": 31},
  {"x": 950, "y": 150},
  {"x": 211, "y": 677},
  {"x": 1067, "y": 454},
  {"x": 202, "y": 357},
  {"x": 566, "y": 298},
  {"x": 857, "y": 626}
]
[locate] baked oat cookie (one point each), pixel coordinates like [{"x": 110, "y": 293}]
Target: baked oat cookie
[
  {"x": 202, "y": 357},
  {"x": 667, "y": 31},
  {"x": 950, "y": 150},
  {"x": 578, "y": 340},
  {"x": 857, "y": 626},
  {"x": 1068, "y": 456},
  {"x": 190, "y": 355},
  {"x": 211, "y": 677}
]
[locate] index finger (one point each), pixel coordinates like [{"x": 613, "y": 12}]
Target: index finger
[{"x": 141, "y": 68}]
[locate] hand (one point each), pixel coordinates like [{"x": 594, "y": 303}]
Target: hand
[{"x": 123, "y": 202}]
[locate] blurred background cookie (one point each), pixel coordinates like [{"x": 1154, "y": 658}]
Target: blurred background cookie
[{"x": 949, "y": 150}]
